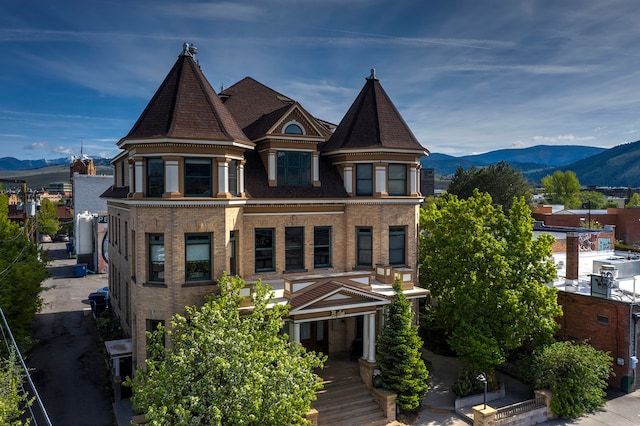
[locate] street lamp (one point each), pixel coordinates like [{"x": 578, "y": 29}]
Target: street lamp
[{"x": 483, "y": 378}]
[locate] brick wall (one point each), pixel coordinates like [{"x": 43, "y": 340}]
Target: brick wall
[{"x": 605, "y": 323}]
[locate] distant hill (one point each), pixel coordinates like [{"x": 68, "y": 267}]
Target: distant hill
[
  {"x": 10, "y": 163},
  {"x": 547, "y": 155},
  {"x": 618, "y": 166},
  {"x": 42, "y": 177}
]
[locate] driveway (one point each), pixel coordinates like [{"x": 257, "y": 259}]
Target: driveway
[{"x": 67, "y": 360}]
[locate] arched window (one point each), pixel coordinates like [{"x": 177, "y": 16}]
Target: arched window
[{"x": 293, "y": 129}]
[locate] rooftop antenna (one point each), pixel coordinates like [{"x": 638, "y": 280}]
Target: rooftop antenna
[{"x": 81, "y": 148}]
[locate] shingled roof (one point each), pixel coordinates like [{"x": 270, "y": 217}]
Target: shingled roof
[
  {"x": 257, "y": 107},
  {"x": 248, "y": 100},
  {"x": 186, "y": 106},
  {"x": 372, "y": 121}
]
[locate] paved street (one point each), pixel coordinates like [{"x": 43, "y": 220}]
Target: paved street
[{"x": 68, "y": 363}]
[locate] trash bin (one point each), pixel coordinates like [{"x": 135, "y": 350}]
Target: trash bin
[
  {"x": 69, "y": 250},
  {"x": 81, "y": 270}
]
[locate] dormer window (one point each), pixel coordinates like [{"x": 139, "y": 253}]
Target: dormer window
[
  {"x": 294, "y": 168},
  {"x": 293, "y": 129}
]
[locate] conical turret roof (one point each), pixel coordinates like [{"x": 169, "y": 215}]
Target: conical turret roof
[
  {"x": 372, "y": 121},
  {"x": 185, "y": 106}
]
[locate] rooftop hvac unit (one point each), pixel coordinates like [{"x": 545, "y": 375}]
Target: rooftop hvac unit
[{"x": 601, "y": 285}]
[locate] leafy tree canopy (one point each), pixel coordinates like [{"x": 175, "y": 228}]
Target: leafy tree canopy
[
  {"x": 488, "y": 276},
  {"x": 23, "y": 269},
  {"x": 592, "y": 200},
  {"x": 13, "y": 400},
  {"x": 576, "y": 374},
  {"x": 222, "y": 367},
  {"x": 499, "y": 180},
  {"x": 403, "y": 370},
  {"x": 563, "y": 188},
  {"x": 634, "y": 201},
  {"x": 47, "y": 218}
]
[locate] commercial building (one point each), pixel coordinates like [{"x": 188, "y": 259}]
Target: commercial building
[{"x": 248, "y": 182}]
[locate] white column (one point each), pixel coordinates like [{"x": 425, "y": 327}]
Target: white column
[
  {"x": 316, "y": 166},
  {"x": 414, "y": 182},
  {"x": 116, "y": 366},
  {"x": 372, "y": 337},
  {"x": 240, "y": 177},
  {"x": 348, "y": 179},
  {"x": 139, "y": 175},
  {"x": 272, "y": 165},
  {"x": 365, "y": 337},
  {"x": 296, "y": 332},
  {"x": 171, "y": 176},
  {"x": 131, "y": 177},
  {"x": 223, "y": 177},
  {"x": 381, "y": 179}
]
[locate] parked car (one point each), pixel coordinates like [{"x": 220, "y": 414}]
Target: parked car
[
  {"x": 45, "y": 238},
  {"x": 63, "y": 238}
]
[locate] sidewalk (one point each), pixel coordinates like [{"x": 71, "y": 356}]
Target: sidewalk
[{"x": 439, "y": 404}]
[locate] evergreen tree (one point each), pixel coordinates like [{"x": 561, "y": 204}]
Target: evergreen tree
[
  {"x": 403, "y": 370},
  {"x": 223, "y": 367}
]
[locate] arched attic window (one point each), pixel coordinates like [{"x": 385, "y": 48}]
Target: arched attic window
[{"x": 293, "y": 129}]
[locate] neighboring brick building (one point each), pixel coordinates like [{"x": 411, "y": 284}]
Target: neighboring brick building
[
  {"x": 600, "y": 311},
  {"x": 625, "y": 220},
  {"x": 248, "y": 182}
]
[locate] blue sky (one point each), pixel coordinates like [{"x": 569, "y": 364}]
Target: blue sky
[{"x": 468, "y": 76}]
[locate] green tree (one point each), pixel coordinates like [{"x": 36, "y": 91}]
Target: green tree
[
  {"x": 488, "y": 277},
  {"x": 576, "y": 374},
  {"x": 499, "y": 180},
  {"x": 634, "y": 201},
  {"x": 222, "y": 367},
  {"x": 13, "y": 400},
  {"x": 592, "y": 200},
  {"x": 403, "y": 370},
  {"x": 47, "y": 218},
  {"x": 564, "y": 188},
  {"x": 23, "y": 269}
]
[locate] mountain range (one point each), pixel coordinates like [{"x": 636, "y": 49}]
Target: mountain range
[{"x": 616, "y": 167}]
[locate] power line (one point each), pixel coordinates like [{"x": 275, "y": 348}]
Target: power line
[{"x": 26, "y": 372}]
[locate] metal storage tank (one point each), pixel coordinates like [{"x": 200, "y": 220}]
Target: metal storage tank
[{"x": 84, "y": 233}]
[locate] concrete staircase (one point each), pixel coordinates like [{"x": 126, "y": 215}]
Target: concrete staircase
[{"x": 345, "y": 401}]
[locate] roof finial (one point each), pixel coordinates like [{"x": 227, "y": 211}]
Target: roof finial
[
  {"x": 373, "y": 75},
  {"x": 189, "y": 50}
]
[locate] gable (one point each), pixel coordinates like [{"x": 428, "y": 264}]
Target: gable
[
  {"x": 298, "y": 116},
  {"x": 334, "y": 296}
]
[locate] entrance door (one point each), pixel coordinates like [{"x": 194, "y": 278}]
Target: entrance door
[{"x": 313, "y": 336}]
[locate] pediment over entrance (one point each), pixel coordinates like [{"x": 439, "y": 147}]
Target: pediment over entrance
[{"x": 335, "y": 299}]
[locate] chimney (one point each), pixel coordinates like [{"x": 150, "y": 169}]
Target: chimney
[{"x": 573, "y": 255}]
